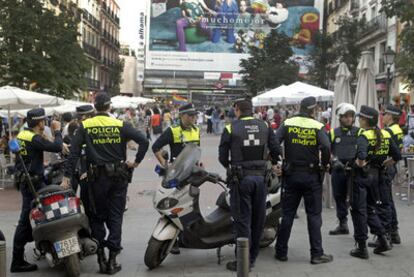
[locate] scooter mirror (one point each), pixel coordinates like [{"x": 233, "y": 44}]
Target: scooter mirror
[
  {"x": 194, "y": 191},
  {"x": 14, "y": 145}
]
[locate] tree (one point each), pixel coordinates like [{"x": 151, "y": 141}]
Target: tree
[
  {"x": 270, "y": 66},
  {"x": 346, "y": 41},
  {"x": 404, "y": 11},
  {"x": 321, "y": 58},
  {"x": 115, "y": 76},
  {"x": 39, "y": 49},
  {"x": 332, "y": 49}
]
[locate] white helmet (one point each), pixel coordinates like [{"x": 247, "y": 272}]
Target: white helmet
[{"x": 343, "y": 108}]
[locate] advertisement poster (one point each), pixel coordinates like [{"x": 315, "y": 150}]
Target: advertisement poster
[{"x": 213, "y": 35}]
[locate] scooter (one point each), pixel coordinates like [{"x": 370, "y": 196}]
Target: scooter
[
  {"x": 60, "y": 227},
  {"x": 177, "y": 201}
]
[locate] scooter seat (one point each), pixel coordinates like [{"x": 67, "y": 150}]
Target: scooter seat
[
  {"x": 222, "y": 201},
  {"x": 50, "y": 189}
]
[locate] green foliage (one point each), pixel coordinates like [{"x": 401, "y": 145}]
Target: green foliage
[
  {"x": 404, "y": 11},
  {"x": 322, "y": 56},
  {"x": 270, "y": 66},
  {"x": 40, "y": 49}
]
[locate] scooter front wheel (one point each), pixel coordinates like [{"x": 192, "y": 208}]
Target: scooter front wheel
[
  {"x": 72, "y": 265},
  {"x": 156, "y": 252}
]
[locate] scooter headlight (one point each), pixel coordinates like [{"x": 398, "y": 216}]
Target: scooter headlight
[{"x": 167, "y": 203}]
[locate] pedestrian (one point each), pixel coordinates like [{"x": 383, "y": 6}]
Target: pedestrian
[
  {"x": 109, "y": 173},
  {"x": 391, "y": 121},
  {"x": 67, "y": 118},
  {"x": 306, "y": 146},
  {"x": 209, "y": 114},
  {"x": 177, "y": 136},
  {"x": 410, "y": 119},
  {"x": 156, "y": 122},
  {"x": 374, "y": 146},
  {"x": 249, "y": 142},
  {"x": 343, "y": 141},
  {"x": 147, "y": 123},
  {"x": 32, "y": 144}
]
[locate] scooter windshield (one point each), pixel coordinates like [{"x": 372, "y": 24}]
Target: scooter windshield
[{"x": 183, "y": 165}]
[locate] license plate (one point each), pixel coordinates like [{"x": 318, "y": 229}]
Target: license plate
[{"x": 67, "y": 247}]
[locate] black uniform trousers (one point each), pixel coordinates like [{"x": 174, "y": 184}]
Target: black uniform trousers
[
  {"x": 340, "y": 179},
  {"x": 391, "y": 172},
  {"x": 23, "y": 233},
  {"x": 296, "y": 185},
  {"x": 248, "y": 210},
  {"x": 364, "y": 204},
  {"x": 109, "y": 202}
]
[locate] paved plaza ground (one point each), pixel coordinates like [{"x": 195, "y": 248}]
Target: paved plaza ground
[{"x": 141, "y": 217}]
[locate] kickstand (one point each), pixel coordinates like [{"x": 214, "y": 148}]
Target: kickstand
[
  {"x": 219, "y": 256},
  {"x": 37, "y": 254}
]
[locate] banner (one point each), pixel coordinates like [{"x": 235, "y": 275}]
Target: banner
[{"x": 213, "y": 35}]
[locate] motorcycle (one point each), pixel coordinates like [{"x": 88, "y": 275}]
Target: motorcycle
[
  {"x": 177, "y": 201},
  {"x": 60, "y": 227}
]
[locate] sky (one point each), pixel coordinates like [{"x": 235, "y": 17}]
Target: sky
[{"x": 129, "y": 17}]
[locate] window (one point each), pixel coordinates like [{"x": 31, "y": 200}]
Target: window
[
  {"x": 373, "y": 12},
  {"x": 382, "y": 65}
]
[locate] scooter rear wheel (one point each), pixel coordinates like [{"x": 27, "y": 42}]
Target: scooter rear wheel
[
  {"x": 72, "y": 265},
  {"x": 156, "y": 252}
]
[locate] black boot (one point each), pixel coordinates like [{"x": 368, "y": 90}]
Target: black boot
[
  {"x": 360, "y": 251},
  {"x": 322, "y": 259},
  {"x": 112, "y": 266},
  {"x": 395, "y": 237},
  {"x": 373, "y": 243},
  {"x": 101, "y": 259},
  {"x": 20, "y": 265},
  {"x": 341, "y": 229},
  {"x": 383, "y": 245}
]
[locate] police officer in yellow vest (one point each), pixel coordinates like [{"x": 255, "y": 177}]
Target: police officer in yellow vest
[
  {"x": 244, "y": 149},
  {"x": 176, "y": 137},
  {"x": 307, "y": 155},
  {"x": 108, "y": 175},
  {"x": 374, "y": 146},
  {"x": 391, "y": 118},
  {"x": 32, "y": 144}
]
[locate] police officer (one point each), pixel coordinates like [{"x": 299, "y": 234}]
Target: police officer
[
  {"x": 391, "y": 118},
  {"x": 304, "y": 139},
  {"x": 343, "y": 142},
  {"x": 373, "y": 148},
  {"x": 108, "y": 175},
  {"x": 32, "y": 144},
  {"x": 249, "y": 142},
  {"x": 176, "y": 137}
]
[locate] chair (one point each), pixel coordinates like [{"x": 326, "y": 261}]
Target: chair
[
  {"x": 410, "y": 166},
  {"x": 4, "y": 177}
]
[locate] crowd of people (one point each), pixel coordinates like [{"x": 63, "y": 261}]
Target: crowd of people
[{"x": 361, "y": 161}]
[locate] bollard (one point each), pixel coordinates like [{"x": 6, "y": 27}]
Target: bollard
[
  {"x": 243, "y": 263},
  {"x": 2, "y": 255}
]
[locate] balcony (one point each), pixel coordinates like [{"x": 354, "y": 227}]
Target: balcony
[
  {"x": 91, "y": 51},
  {"x": 92, "y": 84},
  {"x": 89, "y": 18},
  {"x": 107, "y": 11},
  {"x": 354, "y": 6},
  {"x": 373, "y": 29}
]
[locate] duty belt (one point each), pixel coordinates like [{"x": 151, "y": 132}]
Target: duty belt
[{"x": 253, "y": 172}]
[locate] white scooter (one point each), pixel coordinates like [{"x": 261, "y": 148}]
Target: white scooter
[{"x": 177, "y": 200}]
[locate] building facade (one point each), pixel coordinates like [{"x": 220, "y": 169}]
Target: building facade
[
  {"x": 110, "y": 46},
  {"x": 99, "y": 38},
  {"x": 379, "y": 33}
]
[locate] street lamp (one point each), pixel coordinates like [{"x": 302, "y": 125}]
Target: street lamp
[{"x": 389, "y": 57}]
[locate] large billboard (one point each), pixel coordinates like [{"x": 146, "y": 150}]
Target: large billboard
[{"x": 213, "y": 35}]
